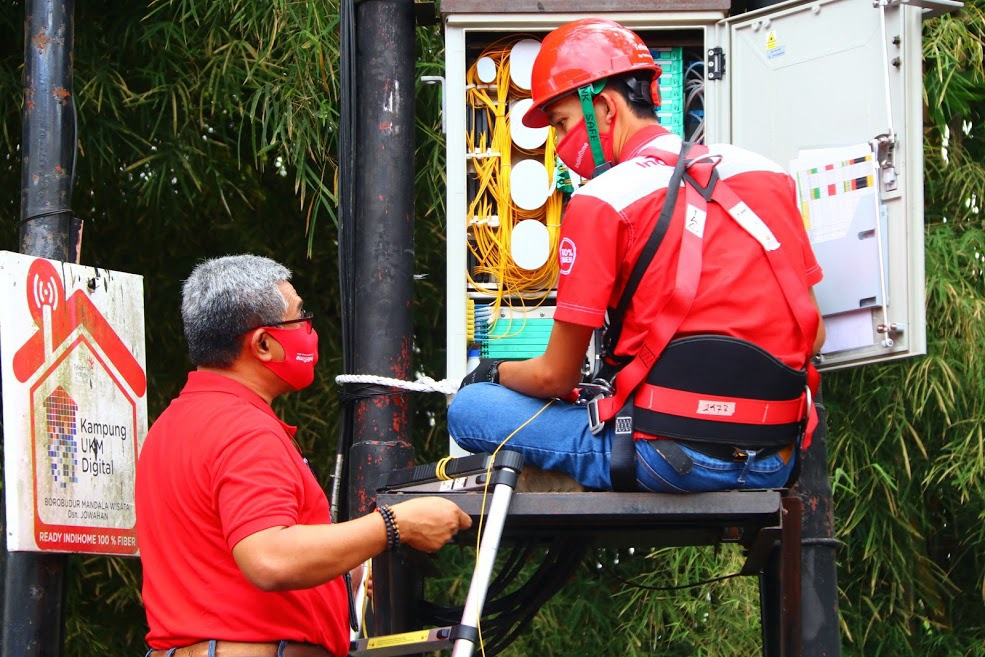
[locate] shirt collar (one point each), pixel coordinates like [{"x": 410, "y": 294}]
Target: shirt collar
[
  {"x": 199, "y": 381},
  {"x": 650, "y": 136}
]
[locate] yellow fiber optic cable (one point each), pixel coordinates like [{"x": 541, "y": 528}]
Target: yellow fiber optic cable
[{"x": 491, "y": 213}]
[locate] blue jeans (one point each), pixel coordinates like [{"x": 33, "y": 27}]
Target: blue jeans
[{"x": 482, "y": 415}]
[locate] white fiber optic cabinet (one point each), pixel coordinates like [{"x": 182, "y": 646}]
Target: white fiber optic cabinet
[{"x": 831, "y": 90}]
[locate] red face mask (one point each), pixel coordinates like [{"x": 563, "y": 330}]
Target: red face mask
[
  {"x": 576, "y": 153},
  {"x": 300, "y": 355}
]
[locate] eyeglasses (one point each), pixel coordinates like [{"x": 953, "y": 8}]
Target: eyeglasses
[{"x": 305, "y": 317}]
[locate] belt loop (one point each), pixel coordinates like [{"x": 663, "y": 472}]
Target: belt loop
[
  {"x": 280, "y": 648},
  {"x": 212, "y": 643},
  {"x": 750, "y": 455}
]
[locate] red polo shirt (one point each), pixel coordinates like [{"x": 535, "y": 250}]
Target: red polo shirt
[
  {"x": 217, "y": 466},
  {"x": 608, "y": 221}
]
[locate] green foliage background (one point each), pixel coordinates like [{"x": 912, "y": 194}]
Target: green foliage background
[{"x": 208, "y": 128}]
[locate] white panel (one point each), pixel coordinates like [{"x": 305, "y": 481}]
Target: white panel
[
  {"x": 811, "y": 75},
  {"x": 456, "y": 204}
]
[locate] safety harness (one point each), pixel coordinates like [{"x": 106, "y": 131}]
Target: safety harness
[{"x": 718, "y": 394}]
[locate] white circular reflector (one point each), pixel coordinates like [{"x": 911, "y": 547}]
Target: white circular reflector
[
  {"x": 528, "y": 184},
  {"x": 524, "y": 137},
  {"x": 530, "y": 244},
  {"x": 486, "y": 68},
  {"x": 522, "y": 56}
]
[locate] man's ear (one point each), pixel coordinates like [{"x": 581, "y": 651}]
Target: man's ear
[
  {"x": 258, "y": 344},
  {"x": 605, "y": 102}
]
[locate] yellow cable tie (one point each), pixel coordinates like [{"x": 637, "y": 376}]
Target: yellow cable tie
[{"x": 439, "y": 470}]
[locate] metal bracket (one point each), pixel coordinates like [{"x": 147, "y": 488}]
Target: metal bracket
[
  {"x": 884, "y": 147},
  {"x": 440, "y": 81},
  {"x": 715, "y": 64},
  {"x": 931, "y": 8}
]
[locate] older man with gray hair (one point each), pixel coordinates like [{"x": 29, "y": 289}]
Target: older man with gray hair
[{"x": 240, "y": 558}]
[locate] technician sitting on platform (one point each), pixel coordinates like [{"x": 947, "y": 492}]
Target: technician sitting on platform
[
  {"x": 710, "y": 334},
  {"x": 240, "y": 558}
]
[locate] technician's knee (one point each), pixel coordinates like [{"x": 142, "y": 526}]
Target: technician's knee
[{"x": 462, "y": 406}]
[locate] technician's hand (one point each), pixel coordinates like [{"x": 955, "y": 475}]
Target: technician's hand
[
  {"x": 487, "y": 371},
  {"x": 427, "y": 523}
]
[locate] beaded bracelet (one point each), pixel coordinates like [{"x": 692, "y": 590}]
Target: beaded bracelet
[
  {"x": 390, "y": 524},
  {"x": 396, "y": 527}
]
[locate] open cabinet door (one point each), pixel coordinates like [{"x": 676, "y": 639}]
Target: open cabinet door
[{"x": 832, "y": 91}]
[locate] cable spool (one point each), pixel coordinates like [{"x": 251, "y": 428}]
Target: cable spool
[
  {"x": 522, "y": 56},
  {"x": 485, "y": 69},
  {"x": 529, "y": 184},
  {"x": 530, "y": 244},
  {"x": 525, "y": 138}
]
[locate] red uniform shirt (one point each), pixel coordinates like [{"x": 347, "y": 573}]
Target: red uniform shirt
[
  {"x": 608, "y": 221},
  {"x": 217, "y": 466}
]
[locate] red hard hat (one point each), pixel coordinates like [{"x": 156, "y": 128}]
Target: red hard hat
[{"x": 581, "y": 52}]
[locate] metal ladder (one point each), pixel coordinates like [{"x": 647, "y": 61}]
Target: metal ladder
[{"x": 468, "y": 473}]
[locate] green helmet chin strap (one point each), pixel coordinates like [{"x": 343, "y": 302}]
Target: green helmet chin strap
[{"x": 587, "y": 96}]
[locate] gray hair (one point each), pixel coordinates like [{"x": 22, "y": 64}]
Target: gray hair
[{"x": 224, "y": 298}]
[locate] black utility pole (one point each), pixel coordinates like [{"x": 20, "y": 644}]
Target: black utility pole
[
  {"x": 384, "y": 268},
  {"x": 819, "y": 551},
  {"x": 47, "y": 227},
  {"x": 34, "y": 582}
]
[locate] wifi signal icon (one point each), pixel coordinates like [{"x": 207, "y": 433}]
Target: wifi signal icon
[{"x": 45, "y": 292}]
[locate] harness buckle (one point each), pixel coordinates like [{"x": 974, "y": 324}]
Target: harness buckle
[
  {"x": 589, "y": 391},
  {"x": 595, "y": 425},
  {"x": 589, "y": 395}
]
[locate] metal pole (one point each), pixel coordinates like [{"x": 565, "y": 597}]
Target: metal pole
[
  {"x": 35, "y": 582},
  {"x": 485, "y": 561},
  {"x": 384, "y": 264},
  {"x": 819, "y": 574},
  {"x": 47, "y": 227}
]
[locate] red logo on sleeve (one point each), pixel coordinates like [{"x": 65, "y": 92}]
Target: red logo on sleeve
[{"x": 567, "y": 252}]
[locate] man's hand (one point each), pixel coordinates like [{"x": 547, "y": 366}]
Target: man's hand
[
  {"x": 487, "y": 371},
  {"x": 427, "y": 523}
]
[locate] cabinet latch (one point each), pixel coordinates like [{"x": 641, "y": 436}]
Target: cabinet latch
[{"x": 884, "y": 147}]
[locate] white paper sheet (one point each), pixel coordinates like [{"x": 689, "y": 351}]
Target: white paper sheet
[
  {"x": 848, "y": 331},
  {"x": 838, "y": 197},
  {"x": 833, "y": 185}
]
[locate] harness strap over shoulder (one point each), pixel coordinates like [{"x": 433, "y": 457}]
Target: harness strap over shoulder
[
  {"x": 618, "y": 314},
  {"x": 670, "y": 317}
]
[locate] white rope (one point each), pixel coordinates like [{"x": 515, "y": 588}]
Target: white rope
[{"x": 423, "y": 384}]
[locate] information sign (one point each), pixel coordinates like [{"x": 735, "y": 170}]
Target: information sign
[{"x": 74, "y": 404}]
